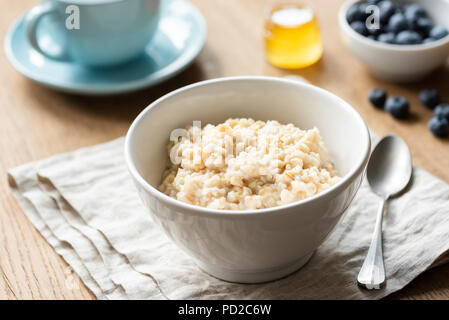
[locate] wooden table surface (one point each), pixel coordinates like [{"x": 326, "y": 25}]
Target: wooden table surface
[{"x": 36, "y": 122}]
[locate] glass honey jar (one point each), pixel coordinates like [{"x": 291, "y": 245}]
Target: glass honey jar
[{"x": 292, "y": 35}]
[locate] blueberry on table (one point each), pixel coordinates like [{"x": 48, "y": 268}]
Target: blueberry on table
[
  {"x": 442, "y": 111},
  {"x": 408, "y": 37},
  {"x": 388, "y": 37},
  {"x": 430, "y": 98},
  {"x": 398, "y": 107},
  {"x": 439, "y": 127},
  {"x": 355, "y": 13},
  {"x": 377, "y": 97},
  {"x": 438, "y": 32},
  {"x": 359, "y": 27},
  {"x": 397, "y": 23}
]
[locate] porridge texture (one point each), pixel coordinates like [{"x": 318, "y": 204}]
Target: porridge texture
[{"x": 245, "y": 164}]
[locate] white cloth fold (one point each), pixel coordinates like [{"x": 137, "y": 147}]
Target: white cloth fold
[{"x": 85, "y": 204}]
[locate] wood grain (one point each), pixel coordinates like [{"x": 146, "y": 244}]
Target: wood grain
[{"x": 36, "y": 122}]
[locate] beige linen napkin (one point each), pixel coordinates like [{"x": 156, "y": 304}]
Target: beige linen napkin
[{"x": 85, "y": 204}]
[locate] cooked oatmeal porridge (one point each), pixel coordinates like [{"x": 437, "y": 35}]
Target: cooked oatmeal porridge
[{"x": 245, "y": 164}]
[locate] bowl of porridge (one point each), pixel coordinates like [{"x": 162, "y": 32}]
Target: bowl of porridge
[{"x": 248, "y": 175}]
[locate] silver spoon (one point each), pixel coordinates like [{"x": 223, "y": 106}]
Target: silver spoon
[{"x": 388, "y": 173}]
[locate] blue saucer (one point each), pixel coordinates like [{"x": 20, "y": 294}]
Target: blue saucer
[{"x": 178, "y": 40}]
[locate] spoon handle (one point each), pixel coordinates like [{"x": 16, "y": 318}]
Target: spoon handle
[{"x": 372, "y": 273}]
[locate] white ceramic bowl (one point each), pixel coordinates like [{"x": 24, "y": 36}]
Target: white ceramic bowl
[
  {"x": 399, "y": 63},
  {"x": 255, "y": 245}
]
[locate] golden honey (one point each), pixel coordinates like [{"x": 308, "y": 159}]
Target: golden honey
[{"x": 292, "y": 36}]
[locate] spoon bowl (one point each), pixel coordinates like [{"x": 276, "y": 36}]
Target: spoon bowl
[{"x": 390, "y": 167}]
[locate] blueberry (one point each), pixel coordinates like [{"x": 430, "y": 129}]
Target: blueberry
[
  {"x": 399, "y": 9},
  {"x": 439, "y": 127},
  {"x": 372, "y": 37},
  {"x": 398, "y": 107},
  {"x": 388, "y": 37},
  {"x": 363, "y": 9},
  {"x": 355, "y": 14},
  {"x": 428, "y": 40},
  {"x": 397, "y": 23},
  {"x": 384, "y": 28},
  {"x": 414, "y": 12},
  {"x": 430, "y": 98},
  {"x": 423, "y": 25},
  {"x": 442, "y": 111},
  {"x": 438, "y": 32},
  {"x": 374, "y": 31},
  {"x": 408, "y": 37},
  {"x": 377, "y": 97},
  {"x": 386, "y": 10},
  {"x": 359, "y": 27},
  {"x": 412, "y": 25}
]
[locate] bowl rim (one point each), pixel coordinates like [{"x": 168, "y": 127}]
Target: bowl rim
[
  {"x": 380, "y": 45},
  {"x": 198, "y": 210}
]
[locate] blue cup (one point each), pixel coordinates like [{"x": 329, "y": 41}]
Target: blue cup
[{"x": 94, "y": 32}]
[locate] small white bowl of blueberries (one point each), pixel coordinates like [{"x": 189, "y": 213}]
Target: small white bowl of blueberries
[{"x": 399, "y": 41}]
